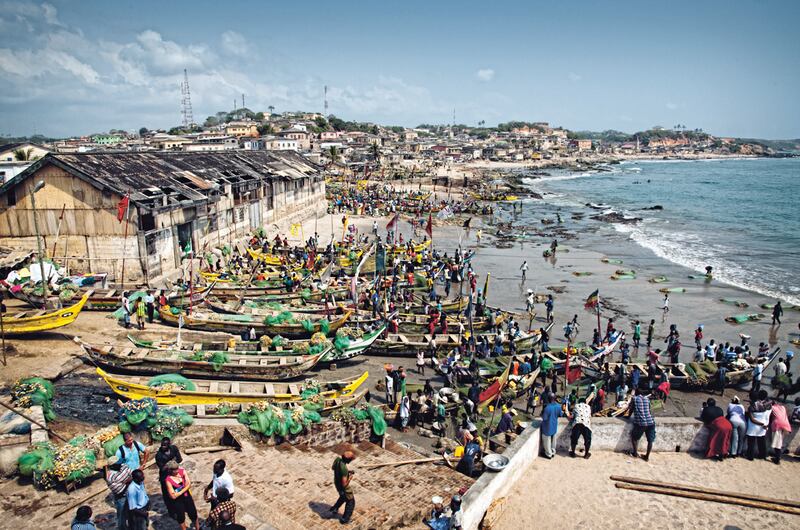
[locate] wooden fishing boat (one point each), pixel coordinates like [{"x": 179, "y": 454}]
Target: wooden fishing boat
[
  {"x": 269, "y": 259},
  {"x": 33, "y": 321},
  {"x": 360, "y": 345},
  {"x": 111, "y": 299},
  {"x": 418, "y": 324},
  {"x": 225, "y": 413},
  {"x": 402, "y": 249},
  {"x": 234, "y": 346},
  {"x": 305, "y": 294},
  {"x": 208, "y": 392},
  {"x": 402, "y": 344},
  {"x": 239, "y": 324},
  {"x": 200, "y": 363}
]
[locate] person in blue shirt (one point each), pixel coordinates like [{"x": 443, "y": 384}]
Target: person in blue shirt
[
  {"x": 138, "y": 502},
  {"x": 552, "y": 411},
  {"x": 636, "y": 374},
  {"x": 129, "y": 453},
  {"x": 83, "y": 519}
]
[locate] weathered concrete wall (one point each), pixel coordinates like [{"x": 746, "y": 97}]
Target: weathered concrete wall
[
  {"x": 491, "y": 486},
  {"x": 614, "y": 434}
]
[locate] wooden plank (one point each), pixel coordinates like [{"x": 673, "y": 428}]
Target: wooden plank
[
  {"x": 294, "y": 389},
  {"x": 243, "y": 361},
  {"x": 698, "y": 489},
  {"x": 213, "y": 386},
  {"x": 269, "y": 389},
  {"x": 198, "y": 346},
  {"x": 201, "y": 411},
  {"x": 235, "y": 387},
  {"x": 772, "y": 506},
  {"x": 283, "y": 360}
]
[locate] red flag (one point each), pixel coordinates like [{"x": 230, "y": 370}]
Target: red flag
[
  {"x": 122, "y": 208},
  {"x": 592, "y": 300},
  {"x": 429, "y": 227}
]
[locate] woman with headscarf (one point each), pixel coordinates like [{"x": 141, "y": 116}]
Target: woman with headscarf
[
  {"x": 405, "y": 412},
  {"x": 719, "y": 427}
]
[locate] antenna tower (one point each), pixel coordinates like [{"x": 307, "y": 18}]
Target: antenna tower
[
  {"x": 325, "y": 112},
  {"x": 186, "y": 101}
]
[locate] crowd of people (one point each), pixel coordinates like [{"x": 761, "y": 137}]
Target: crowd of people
[{"x": 125, "y": 478}]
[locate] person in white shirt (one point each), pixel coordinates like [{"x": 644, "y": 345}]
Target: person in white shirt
[
  {"x": 524, "y": 269},
  {"x": 389, "y": 382},
  {"x": 582, "y": 427},
  {"x": 220, "y": 479}
]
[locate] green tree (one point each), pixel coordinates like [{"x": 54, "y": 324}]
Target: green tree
[
  {"x": 143, "y": 131},
  {"x": 333, "y": 154},
  {"x": 23, "y": 155},
  {"x": 271, "y": 109},
  {"x": 265, "y": 129},
  {"x": 375, "y": 151},
  {"x": 259, "y": 116},
  {"x": 321, "y": 123}
]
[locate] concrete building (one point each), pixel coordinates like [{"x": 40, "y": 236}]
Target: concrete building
[
  {"x": 176, "y": 199},
  {"x": 242, "y": 128},
  {"x": 15, "y": 158}
]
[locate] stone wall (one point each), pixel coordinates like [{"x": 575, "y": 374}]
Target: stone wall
[
  {"x": 492, "y": 486},
  {"x": 328, "y": 434}
]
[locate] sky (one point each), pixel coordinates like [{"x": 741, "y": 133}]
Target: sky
[{"x": 731, "y": 68}]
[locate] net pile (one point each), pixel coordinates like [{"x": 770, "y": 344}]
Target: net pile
[
  {"x": 35, "y": 391},
  {"x": 267, "y": 419}
]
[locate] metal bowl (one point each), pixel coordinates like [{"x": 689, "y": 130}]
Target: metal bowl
[{"x": 495, "y": 462}]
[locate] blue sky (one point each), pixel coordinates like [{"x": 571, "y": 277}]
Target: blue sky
[{"x": 731, "y": 68}]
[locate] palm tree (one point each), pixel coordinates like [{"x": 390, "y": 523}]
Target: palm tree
[
  {"x": 271, "y": 109},
  {"x": 375, "y": 151},
  {"x": 23, "y": 155},
  {"x": 333, "y": 154}
]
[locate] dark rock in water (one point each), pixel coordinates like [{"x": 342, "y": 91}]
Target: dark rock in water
[
  {"x": 656, "y": 207},
  {"x": 534, "y": 195},
  {"x": 615, "y": 217},
  {"x": 595, "y": 206}
]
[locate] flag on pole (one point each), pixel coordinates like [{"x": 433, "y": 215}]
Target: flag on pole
[
  {"x": 467, "y": 222},
  {"x": 122, "y": 208},
  {"x": 393, "y": 222},
  {"x": 429, "y": 227},
  {"x": 593, "y": 300}
]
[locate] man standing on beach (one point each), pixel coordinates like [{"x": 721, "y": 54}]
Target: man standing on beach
[
  {"x": 637, "y": 336},
  {"x": 524, "y": 269},
  {"x": 643, "y": 423},
  {"x": 777, "y": 312},
  {"x": 548, "y": 305},
  {"x": 650, "y": 332}
]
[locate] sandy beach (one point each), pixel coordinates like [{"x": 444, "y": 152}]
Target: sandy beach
[{"x": 577, "y": 493}]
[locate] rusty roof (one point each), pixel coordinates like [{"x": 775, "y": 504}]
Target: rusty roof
[{"x": 182, "y": 177}]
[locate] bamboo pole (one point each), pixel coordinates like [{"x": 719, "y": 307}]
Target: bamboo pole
[
  {"x": 45, "y": 427},
  {"x": 697, "y": 489},
  {"x": 401, "y": 462},
  {"x": 709, "y": 497}
]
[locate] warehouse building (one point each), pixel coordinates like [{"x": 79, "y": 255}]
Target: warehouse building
[{"x": 176, "y": 201}]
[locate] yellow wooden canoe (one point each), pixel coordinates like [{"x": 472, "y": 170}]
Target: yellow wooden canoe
[
  {"x": 34, "y": 321},
  {"x": 214, "y": 392},
  {"x": 402, "y": 249},
  {"x": 269, "y": 259}
]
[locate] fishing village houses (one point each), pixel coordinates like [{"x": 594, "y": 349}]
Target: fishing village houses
[{"x": 177, "y": 201}]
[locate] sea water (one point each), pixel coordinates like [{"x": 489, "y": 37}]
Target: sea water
[{"x": 739, "y": 216}]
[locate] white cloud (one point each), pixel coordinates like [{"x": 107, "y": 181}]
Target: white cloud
[
  {"x": 672, "y": 106},
  {"x": 574, "y": 77},
  {"x": 235, "y": 44},
  {"x": 54, "y": 74},
  {"x": 485, "y": 74}
]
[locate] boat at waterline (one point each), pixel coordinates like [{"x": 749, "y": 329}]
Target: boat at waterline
[{"x": 33, "y": 321}]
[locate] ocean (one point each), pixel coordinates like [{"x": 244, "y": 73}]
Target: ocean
[{"x": 740, "y": 216}]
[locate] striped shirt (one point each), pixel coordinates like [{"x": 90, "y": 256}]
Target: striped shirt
[
  {"x": 641, "y": 412},
  {"x": 118, "y": 480}
]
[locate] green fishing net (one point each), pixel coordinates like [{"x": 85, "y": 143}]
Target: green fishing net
[
  {"x": 169, "y": 421},
  {"x": 167, "y": 381},
  {"x": 35, "y": 391},
  {"x": 136, "y": 411},
  {"x": 112, "y": 446}
]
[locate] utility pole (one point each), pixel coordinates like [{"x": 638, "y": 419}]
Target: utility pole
[{"x": 39, "y": 185}]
